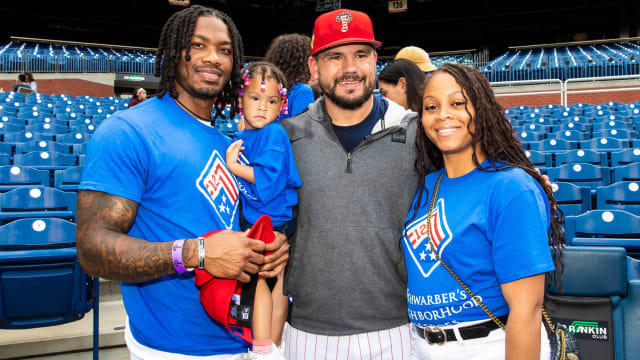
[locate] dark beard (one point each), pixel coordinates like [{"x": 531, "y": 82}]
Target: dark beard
[{"x": 347, "y": 104}]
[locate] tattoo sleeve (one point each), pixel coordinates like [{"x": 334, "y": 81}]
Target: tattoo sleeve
[{"x": 105, "y": 249}]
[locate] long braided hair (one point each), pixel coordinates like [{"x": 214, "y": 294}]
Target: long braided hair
[
  {"x": 499, "y": 142},
  {"x": 176, "y": 36},
  {"x": 290, "y": 53}
]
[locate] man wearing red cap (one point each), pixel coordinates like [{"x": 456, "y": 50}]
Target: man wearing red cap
[{"x": 346, "y": 272}]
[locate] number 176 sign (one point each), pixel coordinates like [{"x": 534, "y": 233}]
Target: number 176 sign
[{"x": 396, "y": 6}]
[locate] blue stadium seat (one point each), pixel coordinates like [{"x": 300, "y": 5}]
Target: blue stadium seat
[
  {"x": 531, "y": 136},
  {"x": 625, "y": 156},
  {"x": 572, "y": 199},
  {"x": 538, "y": 158},
  {"x": 580, "y": 156},
  {"x": 615, "y": 134},
  {"x": 46, "y": 129},
  {"x": 12, "y": 176},
  {"x": 68, "y": 179},
  {"x": 552, "y": 145},
  {"x": 37, "y": 202},
  {"x": 41, "y": 281},
  {"x": 604, "y": 228},
  {"x": 594, "y": 284},
  {"x": 22, "y": 137},
  {"x": 73, "y": 138},
  {"x": 42, "y": 145},
  {"x": 629, "y": 172},
  {"x": 570, "y": 135},
  {"x": 604, "y": 144},
  {"x": 45, "y": 160},
  {"x": 624, "y": 195},
  {"x": 581, "y": 174}
]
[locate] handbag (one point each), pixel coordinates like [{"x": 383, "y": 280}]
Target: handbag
[{"x": 564, "y": 345}]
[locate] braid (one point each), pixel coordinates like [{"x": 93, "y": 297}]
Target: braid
[
  {"x": 499, "y": 142},
  {"x": 290, "y": 53},
  {"x": 176, "y": 36}
]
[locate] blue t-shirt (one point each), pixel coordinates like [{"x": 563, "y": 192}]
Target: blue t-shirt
[
  {"x": 268, "y": 151},
  {"x": 490, "y": 228},
  {"x": 351, "y": 136},
  {"x": 299, "y": 97},
  {"x": 173, "y": 166}
]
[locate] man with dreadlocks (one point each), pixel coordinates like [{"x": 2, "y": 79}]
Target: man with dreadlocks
[{"x": 155, "y": 179}]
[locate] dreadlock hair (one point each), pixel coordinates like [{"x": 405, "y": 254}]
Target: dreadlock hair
[
  {"x": 290, "y": 53},
  {"x": 176, "y": 36},
  {"x": 414, "y": 77},
  {"x": 499, "y": 142}
]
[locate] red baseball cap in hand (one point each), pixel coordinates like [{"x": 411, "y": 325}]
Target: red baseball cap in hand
[
  {"x": 216, "y": 294},
  {"x": 341, "y": 27}
]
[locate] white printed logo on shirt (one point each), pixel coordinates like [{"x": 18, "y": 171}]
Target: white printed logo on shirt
[
  {"x": 418, "y": 244},
  {"x": 220, "y": 187}
]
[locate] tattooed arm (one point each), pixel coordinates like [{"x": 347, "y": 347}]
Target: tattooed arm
[{"x": 105, "y": 249}]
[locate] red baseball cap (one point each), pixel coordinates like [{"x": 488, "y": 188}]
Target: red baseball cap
[
  {"x": 340, "y": 27},
  {"x": 216, "y": 294}
]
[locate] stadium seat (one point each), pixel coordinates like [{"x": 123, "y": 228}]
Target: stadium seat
[
  {"x": 42, "y": 145},
  {"x": 37, "y": 201},
  {"x": 623, "y": 195},
  {"x": 604, "y": 144},
  {"x": 615, "y": 134},
  {"x": 12, "y": 176},
  {"x": 45, "y": 160},
  {"x": 572, "y": 199},
  {"x": 41, "y": 281},
  {"x": 594, "y": 284},
  {"x": 581, "y": 156},
  {"x": 74, "y": 138},
  {"x": 552, "y": 145},
  {"x": 22, "y": 137},
  {"x": 68, "y": 179},
  {"x": 630, "y": 172},
  {"x": 625, "y": 156},
  {"x": 605, "y": 228},
  {"x": 570, "y": 135},
  {"x": 588, "y": 175},
  {"x": 539, "y": 159}
]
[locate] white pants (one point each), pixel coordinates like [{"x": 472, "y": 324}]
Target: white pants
[
  {"x": 138, "y": 351},
  {"x": 486, "y": 348},
  {"x": 391, "y": 344}
]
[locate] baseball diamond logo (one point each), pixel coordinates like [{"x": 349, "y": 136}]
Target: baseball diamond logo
[
  {"x": 219, "y": 186},
  {"x": 344, "y": 18},
  {"x": 418, "y": 244}
]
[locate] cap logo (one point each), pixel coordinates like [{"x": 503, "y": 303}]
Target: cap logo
[{"x": 344, "y": 18}]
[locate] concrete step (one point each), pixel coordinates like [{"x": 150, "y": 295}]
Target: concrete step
[{"x": 73, "y": 340}]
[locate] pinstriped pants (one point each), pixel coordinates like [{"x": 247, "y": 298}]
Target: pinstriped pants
[{"x": 391, "y": 344}]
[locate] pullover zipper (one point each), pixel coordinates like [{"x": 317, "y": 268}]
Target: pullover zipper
[{"x": 348, "y": 170}]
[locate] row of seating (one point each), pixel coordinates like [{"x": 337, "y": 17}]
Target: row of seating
[
  {"x": 562, "y": 63},
  {"x": 575, "y": 199}
]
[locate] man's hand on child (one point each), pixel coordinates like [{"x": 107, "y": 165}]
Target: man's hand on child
[
  {"x": 275, "y": 262},
  {"x": 232, "y": 255}
]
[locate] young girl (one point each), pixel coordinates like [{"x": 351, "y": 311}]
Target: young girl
[
  {"x": 263, "y": 162},
  {"x": 491, "y": 222}
]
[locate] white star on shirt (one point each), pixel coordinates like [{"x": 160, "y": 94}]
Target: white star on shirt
[
  {"x": 428, "y": 246},
  {"x": 222, "y": 208},
  {"x": 432, "y": 256},
  {"x": 423, "y": 256},
  {"x": 224, "y": 199},
  {"x": 227, "y": 209}
]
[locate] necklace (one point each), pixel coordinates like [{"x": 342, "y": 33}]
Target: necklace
[{"x": 193, "y": 113}]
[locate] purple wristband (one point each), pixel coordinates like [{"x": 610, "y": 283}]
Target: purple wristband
[{"x": 176, "y": 256}]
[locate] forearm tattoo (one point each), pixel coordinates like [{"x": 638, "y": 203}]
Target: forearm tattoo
[{"x": 105, "y": 249}]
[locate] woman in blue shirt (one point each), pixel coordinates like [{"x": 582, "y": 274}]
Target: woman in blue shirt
[{"x": 488, "y": 216}]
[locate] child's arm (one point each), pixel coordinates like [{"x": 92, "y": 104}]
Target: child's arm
[{"x": 238, "y": 169}]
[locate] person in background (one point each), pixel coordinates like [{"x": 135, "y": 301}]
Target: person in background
[
  {"x": 418, "y": 56},
  {"x": 155, "y": 180},
  {"x": 402, "y": 81},
  {"x": 489, "y": 216},
  {"x": 21, "y": 84},
  {"x": 32, "y": 82},
  {"x": 290, "y": 53},
  {"x": 139, "y": 95}
]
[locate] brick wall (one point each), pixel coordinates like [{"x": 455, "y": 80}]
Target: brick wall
[{"x": 73, "y": 87}]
